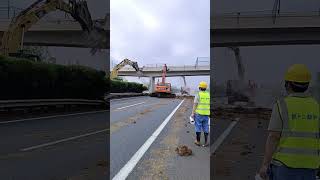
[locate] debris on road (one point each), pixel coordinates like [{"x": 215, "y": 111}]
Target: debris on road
[
  {"x": 162, "y": 161},
  {"x": 184, "y": 97},
  {"x": 243, "y": 112},
  {"x": 243, "y": 150},
  {"x": 102, "y": 163},
  {"x": 183, "y": 150}
]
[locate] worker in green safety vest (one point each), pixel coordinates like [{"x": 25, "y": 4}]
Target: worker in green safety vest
[
  {"x": 293, "y": 146},
  {"x": 201, "y": 113}
]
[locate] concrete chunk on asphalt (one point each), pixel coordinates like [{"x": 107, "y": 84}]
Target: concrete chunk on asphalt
[{"x": 183, "y": 150}]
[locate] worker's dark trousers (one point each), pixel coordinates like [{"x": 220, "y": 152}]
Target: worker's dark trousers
[
  {"x": 284, "y": 173},
  {"x": 198, "y": 134}
]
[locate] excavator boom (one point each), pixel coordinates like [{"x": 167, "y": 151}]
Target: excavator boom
[
  {"x": 114, "y": 72},
  {"x": 12, "y": 40}
]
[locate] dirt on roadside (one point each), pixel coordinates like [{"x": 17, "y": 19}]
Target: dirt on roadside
[
  {"x": 240, "y": 156},
  {"x": 155, "y": 167},
  {"x": 242, "y": 113}
]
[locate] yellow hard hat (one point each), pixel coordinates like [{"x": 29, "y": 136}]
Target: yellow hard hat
[
  {"x": 298, "y": 73},
  {"x": 203, "y": 85}
]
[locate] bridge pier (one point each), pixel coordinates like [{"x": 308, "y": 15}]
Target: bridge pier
[
  {"x": 151, "y": 85},
  {"x": 184, "y": 81}
]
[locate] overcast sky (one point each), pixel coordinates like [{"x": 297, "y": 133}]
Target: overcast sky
[
  {"x": 157, "y": 32},
  {"x": 264, "y": 64}
]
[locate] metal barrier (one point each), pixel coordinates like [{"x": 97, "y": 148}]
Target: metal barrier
[
  {"x": 4, "y": 104},
  {"x": 272, "y": 14}
]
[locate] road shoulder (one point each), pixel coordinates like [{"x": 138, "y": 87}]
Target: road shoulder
[{"x": 162, "y": 162}]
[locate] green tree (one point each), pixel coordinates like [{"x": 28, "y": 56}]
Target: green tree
[{"x": 41, "y": 51}]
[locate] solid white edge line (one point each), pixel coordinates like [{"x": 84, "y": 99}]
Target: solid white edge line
[
  {"x": 129, "y": 166},
  {"x": 48, "y": 117},
  {"x": 62, "y": 140},
  {"x": 130, "y": 105},
  {"x": 221, "y": 138}
]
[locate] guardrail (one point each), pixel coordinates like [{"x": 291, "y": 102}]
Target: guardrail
[
  {"x": 170, "y": 68},
  {"x": 272, "y": 15},
  {"x": 7, "y": 104}
]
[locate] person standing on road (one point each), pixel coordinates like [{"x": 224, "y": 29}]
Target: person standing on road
[
  {"x": 201, "y": 113},
  {"x": 293, "y": 145}
]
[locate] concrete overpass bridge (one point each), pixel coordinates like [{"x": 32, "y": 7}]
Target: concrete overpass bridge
[
  {"x": 64, "y": 33},
  {"x": 264, "y": 28},
  {"x": 173, "y": 71}
]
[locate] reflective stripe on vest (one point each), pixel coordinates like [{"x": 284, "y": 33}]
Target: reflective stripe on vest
[
  {"x": 299, "y": 145},
  {"x": 203, "y": 107}
]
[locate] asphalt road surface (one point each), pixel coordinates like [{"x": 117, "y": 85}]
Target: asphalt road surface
[
  {"x": 238, "y": 147},
  {"x": 59, "y": 147},
  {"x": 135, "y": 120}
]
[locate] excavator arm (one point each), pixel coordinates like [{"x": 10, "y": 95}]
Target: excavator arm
[
  {"x": 114, "y": 72},
  {"x": 12, "y": 40}
]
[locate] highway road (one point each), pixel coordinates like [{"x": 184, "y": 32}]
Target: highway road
[
  {"x": 239, "y": 138},
  {"x": 143, "y": 145},
  {"x": 58, "y": 147}
]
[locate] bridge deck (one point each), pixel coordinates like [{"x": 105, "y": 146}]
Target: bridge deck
[{"x": 172, "y": 71}]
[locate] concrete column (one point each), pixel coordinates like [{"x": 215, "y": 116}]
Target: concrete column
[
  {"x": 151, "y": 84},
  {"x": 184, "y": 81}
]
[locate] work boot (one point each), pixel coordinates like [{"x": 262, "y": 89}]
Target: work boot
[
  {"x": 206, "y": 140},
  {"x": 205, "y": 144},
  {"x": 198, "y": 135}
]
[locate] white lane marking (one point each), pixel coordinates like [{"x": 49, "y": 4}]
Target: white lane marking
[
  {"x": 221, "y": 138},
  {"x": 130, "y": 105},
  {"x": 48, "y": 117},
  {"x": 120, "y": 104},
  {"x": 129, "y": 166},
  {"x": 136, "y": 97},
  {"x": 63, "y": 140}
]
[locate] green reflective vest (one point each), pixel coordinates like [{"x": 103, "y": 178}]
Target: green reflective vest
[
  {"x": 203, "y": 107},
  {"x": 299, "y": 145}
]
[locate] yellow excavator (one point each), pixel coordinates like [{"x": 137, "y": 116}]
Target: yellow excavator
[
  {"x": 12, "y": 40},
  {"x": 114, "y": 72}
]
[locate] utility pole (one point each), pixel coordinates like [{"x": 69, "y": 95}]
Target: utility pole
[
  {"x": 279, "y": 3},
  {"x": 9, "y": 9}
]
